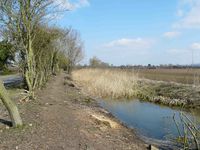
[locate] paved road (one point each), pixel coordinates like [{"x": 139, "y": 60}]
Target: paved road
[{"x": 12, "y": 80}]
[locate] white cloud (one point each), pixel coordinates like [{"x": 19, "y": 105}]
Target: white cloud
[
  {"x": 188, "y": 55},
  {"x": 136, "y": 44},
  {"x": 66, "y": 4},
  {"x": 195, "y": 46},
  {"x": 60, "y": 6},
  {"x": 189, "y": 13},
  {"x": 176, "y": 51},
  {"x": 172, "y": 34},
  {"x": 180, "y": 13},
  {"x": 126, "y": 50},
  {"x": 178, "y": 56},
  {"x": 82, "y": 3}
]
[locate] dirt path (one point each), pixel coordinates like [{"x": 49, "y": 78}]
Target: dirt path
[{"x": 61, "y": 119}]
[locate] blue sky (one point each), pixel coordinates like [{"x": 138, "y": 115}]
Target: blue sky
[{"x": 137, "y": 31}]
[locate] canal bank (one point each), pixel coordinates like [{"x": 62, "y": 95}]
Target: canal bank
[
  {"x": 63, "y": 118},
  {"x": 151, "y": 120},
  {"x": 169, "y": 93}
]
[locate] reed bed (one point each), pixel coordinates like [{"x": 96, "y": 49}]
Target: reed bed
[
  {"x": 123, "y": 84},
  {"x": 107, "y": 83}
]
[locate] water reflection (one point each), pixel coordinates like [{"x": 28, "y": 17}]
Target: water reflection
[{"x": 151, "y": 120}]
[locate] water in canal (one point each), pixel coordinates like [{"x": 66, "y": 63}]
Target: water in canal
[{"x": 150, "y": 120}]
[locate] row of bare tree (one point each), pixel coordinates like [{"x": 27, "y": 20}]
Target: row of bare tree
[{"x": 42, "y": 49}]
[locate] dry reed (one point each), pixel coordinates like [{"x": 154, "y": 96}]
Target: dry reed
[{"x": 107, "y": 83}]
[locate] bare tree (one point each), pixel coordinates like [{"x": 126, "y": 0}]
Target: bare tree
[
  {"x": 19, "y": 20},
  {"x": 96, "y": 62},
  {"x": 72, "y": 46}
]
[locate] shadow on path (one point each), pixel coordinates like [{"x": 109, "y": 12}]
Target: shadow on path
[{"x": 8, "y": 123}]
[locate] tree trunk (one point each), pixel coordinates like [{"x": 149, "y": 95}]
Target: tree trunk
[
  {"x": 30, "y": 74},
  {"x": 10, "y": 106}
]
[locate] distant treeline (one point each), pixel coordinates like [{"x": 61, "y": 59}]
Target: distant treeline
[
  {"x": 95, "y": 62},
  {"x": 162, "y": 66}
]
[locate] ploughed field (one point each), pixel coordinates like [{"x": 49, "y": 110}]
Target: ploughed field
[{"x": 185, "y": 76}]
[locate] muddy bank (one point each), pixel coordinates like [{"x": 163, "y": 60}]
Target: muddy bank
[
  {"x": 171, "y": 94},
  {"x": 63, "y": 118}
]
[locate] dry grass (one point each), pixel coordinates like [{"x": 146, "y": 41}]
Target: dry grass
[
  {"x": 107, "y": 83},
  {"x": 121, "y": 84}
]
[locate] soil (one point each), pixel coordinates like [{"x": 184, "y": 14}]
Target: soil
[{"x": 63, "y": 118}]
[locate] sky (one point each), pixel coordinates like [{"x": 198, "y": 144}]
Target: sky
[{"x": 132, "y": 32}]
